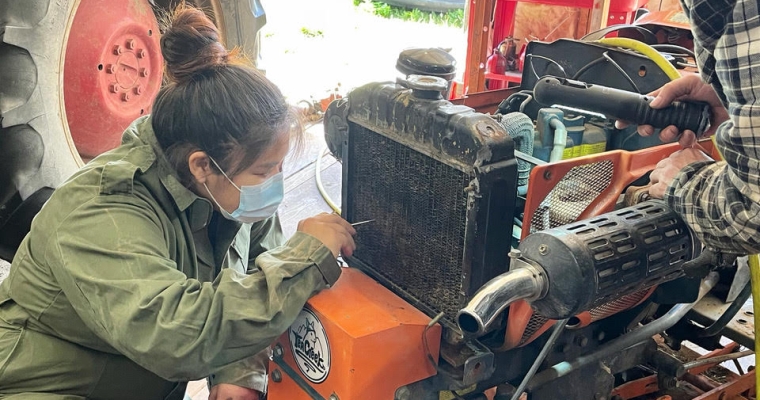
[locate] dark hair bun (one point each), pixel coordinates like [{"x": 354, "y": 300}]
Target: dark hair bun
[{"x": 191, "y": 44}]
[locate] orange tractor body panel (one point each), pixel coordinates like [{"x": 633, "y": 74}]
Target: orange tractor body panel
[{"x": 357, "y": 340}]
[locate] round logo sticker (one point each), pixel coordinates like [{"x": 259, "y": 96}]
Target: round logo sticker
[{"x": 311, "y": 350}]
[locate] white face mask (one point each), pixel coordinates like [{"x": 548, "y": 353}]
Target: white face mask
[{"x": 257, "y": 202}]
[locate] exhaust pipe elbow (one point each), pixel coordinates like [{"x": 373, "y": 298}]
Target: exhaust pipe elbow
[{"x": 524, "y": 282}]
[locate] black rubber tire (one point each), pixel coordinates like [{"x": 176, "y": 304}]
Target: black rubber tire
[
  {"x": 240, "y": 21},
  {"x": 36, "y": 149}
]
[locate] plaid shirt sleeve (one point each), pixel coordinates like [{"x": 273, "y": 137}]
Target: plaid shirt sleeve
[{"x": 721, "y": 201}]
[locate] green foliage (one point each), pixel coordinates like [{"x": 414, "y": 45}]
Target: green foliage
[
  {"x": 311, "y": 32},
  {"x": 384, "y": 10},
  {"x": 452, "y": 18}
]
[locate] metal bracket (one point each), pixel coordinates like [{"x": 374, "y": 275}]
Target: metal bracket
[
  {"x": 277, "y": 357},
  {"x": 474, "y": 359},
  {"x": 740, "y": 279},
  {"x": 741, "y": 329},
  {"x": 479, "y": 366}
]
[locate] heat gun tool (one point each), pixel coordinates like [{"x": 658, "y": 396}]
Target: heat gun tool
[{"x": 621, "y": 104}]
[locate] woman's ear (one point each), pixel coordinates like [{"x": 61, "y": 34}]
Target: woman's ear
[{"x": 199, "y": 165}]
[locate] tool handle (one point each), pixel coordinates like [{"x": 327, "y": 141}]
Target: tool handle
[{"x": 621, "y": 104}]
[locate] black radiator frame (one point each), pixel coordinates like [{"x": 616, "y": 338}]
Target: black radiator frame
[{"x": 460, "y": 138}]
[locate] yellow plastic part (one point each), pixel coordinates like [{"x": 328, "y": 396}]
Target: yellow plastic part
[
  {"x": 646, "y": 50},
  {"x": 754, "y": 271}
]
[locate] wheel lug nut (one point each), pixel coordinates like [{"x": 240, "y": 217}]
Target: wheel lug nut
[
  {"x": 130, "y": 44},
  {"x": 111, "y": 69},
  {"x": 144, "y": 72},
  {"x": 141, "y": 53},
  {"x": 117, "y": 50},
  {"x": 113, "y": 88},
  {"x": 125, "y": 97},
  {"x": 138, "y": 90}
]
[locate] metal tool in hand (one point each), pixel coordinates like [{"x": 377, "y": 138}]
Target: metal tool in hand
[
  {"x": 362, "y": 222},
  {"x": 621, "y": 104},
  {"x": 341, "y": 262}
]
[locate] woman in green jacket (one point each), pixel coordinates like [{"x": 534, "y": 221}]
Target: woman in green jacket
[{"x": 162, "y": 261}]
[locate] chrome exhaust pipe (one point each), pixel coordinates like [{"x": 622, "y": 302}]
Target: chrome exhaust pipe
[{"x": 524, "y": 281}]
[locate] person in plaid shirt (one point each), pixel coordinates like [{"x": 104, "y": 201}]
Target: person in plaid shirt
[{"x": 719, "y": 200}]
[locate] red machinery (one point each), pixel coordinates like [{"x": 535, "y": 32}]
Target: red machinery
[
  {"x": 438, "y": 179},
  {"x": 491, "y": 21}
]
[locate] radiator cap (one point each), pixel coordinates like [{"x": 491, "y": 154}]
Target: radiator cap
[
  {"x": 427, "y": 61},
  {"x": 426, "y": 87}
]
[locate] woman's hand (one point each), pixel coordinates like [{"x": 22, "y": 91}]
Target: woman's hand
[
  {"x": 225, "y": 391},
  {"x": 332, "y": 230},
  {"x": 689, "y": 88},
  {"x": 666, "y": 170}
]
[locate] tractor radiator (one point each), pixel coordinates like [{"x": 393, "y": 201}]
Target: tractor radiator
[{"x": 439, "y": 181}]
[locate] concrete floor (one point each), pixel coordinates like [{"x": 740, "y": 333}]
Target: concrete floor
[{"x": 4, "y": 268}]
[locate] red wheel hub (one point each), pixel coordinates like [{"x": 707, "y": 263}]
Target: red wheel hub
[{"x": 112, "y": 71}]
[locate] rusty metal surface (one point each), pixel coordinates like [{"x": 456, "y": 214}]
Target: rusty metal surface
[
  {"x": 475, "y": 360},
  {"x": 709, "y": 381},
  {"x": 637, "y": 388},
  {"x": 700, "y": 382},
  {"x": 730, "y": 390},
  {"x": 741, "y": 329},
  {"x": 576, "y": 191},
  {"x": 636, "y": 195},
  {"x": 435, "y": 177}
]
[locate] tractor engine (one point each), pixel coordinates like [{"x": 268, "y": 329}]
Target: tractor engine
[
  {"x": 565, "y": 271},
  {"x": 489, "y": 247}
]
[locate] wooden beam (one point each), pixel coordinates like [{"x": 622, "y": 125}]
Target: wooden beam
[
  {"x": 600, "y": 14},
  {"x": 485, "y": 102},
  {"x": 479, "y": 31}
]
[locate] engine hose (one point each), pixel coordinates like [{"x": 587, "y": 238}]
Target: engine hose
[
  {"x": 558, "y": 328},
  {"x": 321, "y": 187},
  {"x": 729, "y": 314},
  {"x": 560, "y": 139},
  {"x": 520, "y": 128},
  {"x": 646, "y": 50}
]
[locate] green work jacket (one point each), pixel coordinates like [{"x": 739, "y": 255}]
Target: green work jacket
[{"x": 118, "y": 292}]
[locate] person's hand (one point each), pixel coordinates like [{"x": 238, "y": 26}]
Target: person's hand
[
  {"x": 666, "y": 170},
  {"x": 225, "y": 391},
  {"x": 691, "y": 88},
  {"x": 332, "y": 230}
]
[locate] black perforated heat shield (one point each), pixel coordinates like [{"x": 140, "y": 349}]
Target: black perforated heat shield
[{"x": 440, "y": 182}]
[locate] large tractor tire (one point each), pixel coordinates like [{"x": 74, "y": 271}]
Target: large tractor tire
[{"x": 75, "y": 73}]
